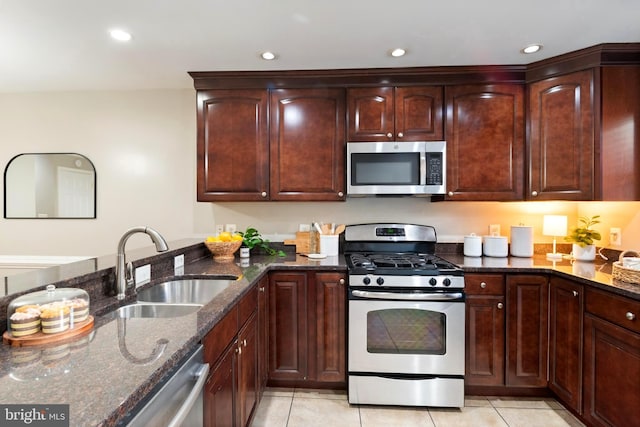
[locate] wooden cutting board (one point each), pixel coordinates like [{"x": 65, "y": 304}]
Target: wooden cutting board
[{"x": 302, "y": 242}]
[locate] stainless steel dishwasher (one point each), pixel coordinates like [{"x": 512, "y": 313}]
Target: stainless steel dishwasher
[{"x": 179, "y": 401}]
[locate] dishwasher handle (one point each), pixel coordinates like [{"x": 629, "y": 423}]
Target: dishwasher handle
[{"x": 201, "y": 374}]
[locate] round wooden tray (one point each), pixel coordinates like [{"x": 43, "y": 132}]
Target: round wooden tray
[{"x": 39, "y": 338}]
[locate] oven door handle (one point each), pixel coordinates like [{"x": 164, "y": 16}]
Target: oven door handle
[{"x": 408, "y": 296}]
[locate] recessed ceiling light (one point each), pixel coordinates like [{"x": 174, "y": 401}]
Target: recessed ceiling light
[
  {"x": 396, "y": 53},
  {"x": 120, "y": 35},
  {"x": 533, "y": 48},
  {"x": 268, "y": 56}
]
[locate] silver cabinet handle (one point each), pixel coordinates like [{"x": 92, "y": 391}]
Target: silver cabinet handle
[
  {"x": 340, "y": 194},
  {"x": 400, "y": 135},
  {"x": 261, "y": 289},
  {"x": 575, "y": 293},
  {"x": 389, "y": 135},
  {"x": 244, "y": 343},
  {"x": 630, "y": 316},
  {"x": 534, "y": 193},
  {"x": 500, "y": 305},
  {"x": 483, "y": 285},
  {"x": 450, "y": 193},
  {"x": 263, "y": 194},
  {"x": 341, "y": 281}
]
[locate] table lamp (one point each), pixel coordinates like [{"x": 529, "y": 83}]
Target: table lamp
[{"x": 554, "y": 225}]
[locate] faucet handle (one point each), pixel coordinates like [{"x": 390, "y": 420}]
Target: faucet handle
[{"x": 129, "y": 275}]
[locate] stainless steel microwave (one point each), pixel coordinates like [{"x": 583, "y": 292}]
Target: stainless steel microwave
[{"x": 400, "y": 168}]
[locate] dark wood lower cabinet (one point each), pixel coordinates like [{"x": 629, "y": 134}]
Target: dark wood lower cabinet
[
  {"x": 485, "y": 335},
  {"x": 566, "y": 307},
  {"x": 231, "y": 348},
  {"x": 307, "y": 329},
  {"x": 527, "y": 338},
  {"x": 611, "y": 360}
]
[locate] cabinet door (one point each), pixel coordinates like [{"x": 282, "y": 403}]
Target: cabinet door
[
  {"x": 307, "y": 140},
  {"x": 566, "y": 302},
  {"x": 370, "y": 114},
  {"x": 263, "y": 333},
  {"x": 247, "y": 371},
  {"x": 611, "y": 372},
  {"x": 527, "y": 338},
  {"x": 485, "y": 142},
  {"x": 329, "y": 327},
  {"x": 219, "y": 393},
  {"x": 418, "y": 113},
  {"x": 561, "y": 140},
  {"x": 233, "y": 145},
  {"x": 288, "y": 326}
]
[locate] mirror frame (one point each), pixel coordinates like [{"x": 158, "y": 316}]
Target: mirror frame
[{"x": 95, "y": 186}]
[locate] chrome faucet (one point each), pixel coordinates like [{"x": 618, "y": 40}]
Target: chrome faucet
[{"x": 124, "y": 270}]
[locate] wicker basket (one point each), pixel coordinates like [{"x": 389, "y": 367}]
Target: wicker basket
[
  {"x": 223, "y": 251},
  {"x": 629, "y": 275}
]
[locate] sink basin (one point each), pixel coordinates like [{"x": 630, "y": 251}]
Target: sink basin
[
  {"x": 153, "y": 311},
  {"x": 185, "y": 291}
]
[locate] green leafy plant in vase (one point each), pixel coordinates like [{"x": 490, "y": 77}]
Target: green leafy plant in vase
[
  {"x": 251, "y": 238},
  {"x": 583, "y": 238}
]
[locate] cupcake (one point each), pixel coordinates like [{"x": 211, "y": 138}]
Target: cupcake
[
  {"x": 79, "y": 311},
  {"x": 54, "y": 318},
  {"x": 27, "y": 308},
  {"x": 24, "y": 323}
]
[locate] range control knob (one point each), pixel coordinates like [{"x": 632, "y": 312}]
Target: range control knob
[
  {"x": 446, "y": 282},
  {"x": 433, "y": 281},
  {"x": 366, "y": 280},
  {"x": 379, "y": 280}
]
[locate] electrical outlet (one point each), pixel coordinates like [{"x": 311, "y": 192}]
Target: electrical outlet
[
  {"x": 219, "y": 228},
  {"x": 178, "y": 265},
  {"x": 615, "y": 236},
  {"x": 494, "y": 229},
  {"x": 231, "y": 228},
  {"x": 143, "y": 274}
]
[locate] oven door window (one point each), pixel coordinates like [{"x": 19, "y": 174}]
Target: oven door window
[
  {"x": 385, "y": 169},
  {"x": 406, "y": 331}
]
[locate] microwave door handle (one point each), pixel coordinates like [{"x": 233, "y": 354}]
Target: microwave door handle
[{"x": 423, "y": 168}]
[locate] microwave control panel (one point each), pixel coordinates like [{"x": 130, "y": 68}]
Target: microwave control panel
[{"x": 435, "y": 172}]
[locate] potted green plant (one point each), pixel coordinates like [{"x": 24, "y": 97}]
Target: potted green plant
[
  {"x": 251, "y": 238},
  {"x": 583, "y": 238}
]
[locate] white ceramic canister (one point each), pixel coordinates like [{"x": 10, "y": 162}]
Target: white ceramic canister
[
  {"x": 495, "y": 246},
  {"x": 521, "y": 241},
  {"x": 472, "y": 245}
]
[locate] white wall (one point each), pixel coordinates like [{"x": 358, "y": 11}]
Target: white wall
[{"x": 143, "y": 145}]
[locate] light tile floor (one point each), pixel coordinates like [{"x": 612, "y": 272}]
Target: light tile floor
[{"x": 283, "y": 407}]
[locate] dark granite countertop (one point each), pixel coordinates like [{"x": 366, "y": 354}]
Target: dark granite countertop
[{"x": 105, "y": 374}]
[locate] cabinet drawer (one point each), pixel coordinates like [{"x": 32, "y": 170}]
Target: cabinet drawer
[
  {"x": 614, "y": 308},
  {"x": 248, "y": 304},
  {"x": 484, "y": 284},
  {"x": 220, "y": 336}
]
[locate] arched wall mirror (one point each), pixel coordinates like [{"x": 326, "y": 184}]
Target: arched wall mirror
[{"x": 50, "y": 185}]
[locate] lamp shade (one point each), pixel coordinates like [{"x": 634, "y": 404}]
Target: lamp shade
[{"x": 554, "y": 225}]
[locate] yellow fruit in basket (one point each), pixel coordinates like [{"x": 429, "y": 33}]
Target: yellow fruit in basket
[
  {"x": 213, "y": 239},
  {"x": 225, "y": 236},
  {"x": 236, "y": 237}
]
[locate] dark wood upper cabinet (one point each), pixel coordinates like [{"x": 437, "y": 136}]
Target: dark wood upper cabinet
[
  {"x": 233, "y": 145},
  {"x": 412, "y": 113},
  {"x": 485, "y": 142},
  {"x": 561, "y": 138},
  {"x": 307, "y": 144}
]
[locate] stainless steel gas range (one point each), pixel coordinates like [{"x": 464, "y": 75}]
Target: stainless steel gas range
[{"x": 406, "y": 318}]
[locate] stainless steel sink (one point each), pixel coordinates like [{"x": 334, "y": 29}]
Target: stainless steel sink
[
  {"x": 153, "y": 311},
  {"x": 185, "y": 291}
]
